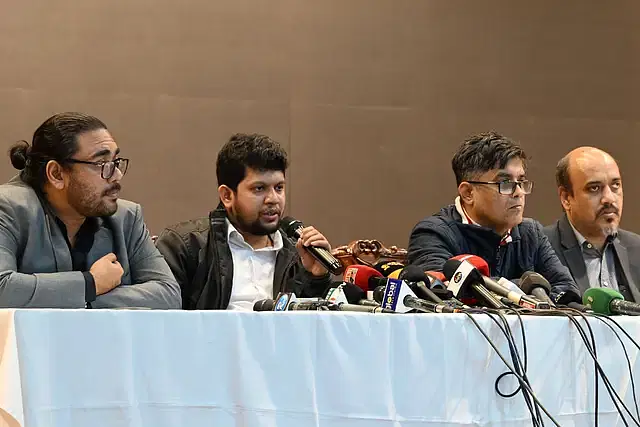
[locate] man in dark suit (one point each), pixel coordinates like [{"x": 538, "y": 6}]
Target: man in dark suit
[{"x": 587, "y": 237}]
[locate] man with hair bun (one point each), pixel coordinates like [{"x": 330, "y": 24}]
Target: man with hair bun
[{"x": 66, "y": 240}]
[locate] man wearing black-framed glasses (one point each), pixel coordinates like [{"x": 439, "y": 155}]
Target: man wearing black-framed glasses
[
  {"x": 486, "y": 219},
  {"x": 66, "y": 239}
]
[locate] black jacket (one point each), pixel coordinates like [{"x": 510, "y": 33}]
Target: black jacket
[
  {"x": 199, "y": 256},
  {"x": 439, "y": 237},
  {"x": 627, "y": 257}
]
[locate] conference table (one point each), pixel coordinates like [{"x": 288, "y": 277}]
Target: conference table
[{"x": 296, "y": 369}]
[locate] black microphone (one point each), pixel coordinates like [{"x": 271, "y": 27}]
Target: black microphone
[
  {"x": 292, "y": 227},
  {"x": 572, "y": 300},
  {"x": 535, "y": 284},
  {"x": 354, "y": 294},
  {"x": 397, "y": 296},
  {"x": 286, "y": 301},
  {"x": 465, "y": 279},
  {"x": 417, "y": 278},
  {"x": 338, "y": 300},
  {"x": 264, "y": 305},
  {"x": 495, "y": 287}
]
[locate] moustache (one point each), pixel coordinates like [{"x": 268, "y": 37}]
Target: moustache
[
  {"x": 114, "y": 188},
  {"x": 608, "y": 209},
  {"x": 270, "y": 212}
]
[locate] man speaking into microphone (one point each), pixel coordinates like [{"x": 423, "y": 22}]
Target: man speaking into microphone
[
  {"x": 486, "y": 219},
  {"x": 239, "y": 254}
]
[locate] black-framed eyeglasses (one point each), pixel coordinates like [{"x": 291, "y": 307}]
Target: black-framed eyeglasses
[
  {"x": 108, "y": 167},
  {"x": 508, "y": 187}
]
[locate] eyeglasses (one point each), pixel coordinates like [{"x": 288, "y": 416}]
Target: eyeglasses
[
  {"x": 108, "y": 168},
  {"x": 508, "y": 187}
]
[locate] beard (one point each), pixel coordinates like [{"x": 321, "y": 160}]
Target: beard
[
  {"x": 255, "y": 227},
  {"x": 609, "y": 228},
  {"x": 83, "y": 198}
]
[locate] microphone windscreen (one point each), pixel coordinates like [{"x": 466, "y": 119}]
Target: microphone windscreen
[
  {"x": 437, "y": 279},
  {"x": 564, "y": 298},
  {"x": 378, "y": 294},
  {"x": 531, "y": 280},
  {"x": 394, "y": 274},
  {"x": 387, "y": 267},
  {"x": 290, "y": 226},
  {"x": 450, "y": 268},
  {"x": 413, "y": 273},
  {"x": 436, "y": 274},
  {"x": 360, "y": 275},
  {"x": 600, "y": 299},
  {"x": 480, "y": 264},
  {"x": 353, "y": 293}
]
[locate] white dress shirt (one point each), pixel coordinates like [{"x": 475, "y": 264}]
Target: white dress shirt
[{"x": 253, "y": 269}]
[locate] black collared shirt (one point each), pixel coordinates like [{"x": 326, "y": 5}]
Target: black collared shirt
[{"x": 79, "y": 251}]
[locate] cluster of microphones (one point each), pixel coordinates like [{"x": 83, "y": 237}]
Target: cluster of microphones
[{"x": 463, "y": 284}]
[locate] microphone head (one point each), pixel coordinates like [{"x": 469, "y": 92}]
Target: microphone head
[
  {"x": 264, "y": 305},
  {"x": 564, "y": 298},
  {"x": 461, "y": 275},
  {"x": 353, "y": 293},
  {"x": 388, "y": 267},
  {"x": 531, "y": 280},
  {"x": 436, "y": 280},
  {"x": 394, "y": 274},
  {"x": 450, "y": 268},
  {"x": 378, "y": 294},
  {"x": 290, "y": 226},
  {"x": 480, "y": 264},
  {"x": 360, "y": 275},
  {"x": 600, "y": 298},
  {"x": 413, "y": 273},
  {"x": 436, "y": 275}
]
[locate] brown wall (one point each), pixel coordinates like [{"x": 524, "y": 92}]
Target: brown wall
[{"x": 370, "y": 97}]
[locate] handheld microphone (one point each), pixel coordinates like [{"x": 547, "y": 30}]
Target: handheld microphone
[
  {"x": 609, "y": 301},
  {"x": 518, "y": 298},
  {"x": 397, "y": 296},
  {"x": 535, "y": 284},
  {"x": 292, "y": 227},
  {"x": 572, "y": 300},
  {"x": 465, "y": 279}
]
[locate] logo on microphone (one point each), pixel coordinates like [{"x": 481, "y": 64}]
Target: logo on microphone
[
  {"x": 391, "y": 294},
  {"x": 350, "y": 275},
  {"x": 457, "y": 277},
  {"x": 281, "y": 304}
]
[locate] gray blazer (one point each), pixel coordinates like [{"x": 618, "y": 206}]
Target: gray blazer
[
  {"x": 626, "y": 245},
  {"x": 35, "y": 261}
]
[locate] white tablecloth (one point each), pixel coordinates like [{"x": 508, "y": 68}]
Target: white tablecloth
[{"x": 153, "y": 368}]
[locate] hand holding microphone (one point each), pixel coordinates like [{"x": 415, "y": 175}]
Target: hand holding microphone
[{"x": 313, "y": 247}]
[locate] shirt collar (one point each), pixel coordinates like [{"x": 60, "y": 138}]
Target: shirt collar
[
  {"x": 234, "y": 237},
  {"x": 466, "y": 219},
  {"x": 581, "y": 239}
]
